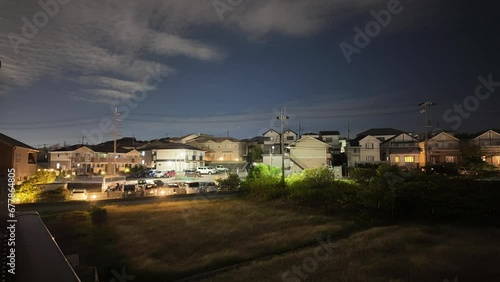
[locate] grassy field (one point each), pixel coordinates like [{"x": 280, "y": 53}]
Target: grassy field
[
  {"x": 170, "y": 240},
  {"x": 395, "y": 253},
  {"x": 176, "y": 239}
]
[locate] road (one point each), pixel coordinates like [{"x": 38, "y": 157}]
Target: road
[{"x": 85, "y": 205}]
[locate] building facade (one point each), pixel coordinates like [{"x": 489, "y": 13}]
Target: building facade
[{"x": 18, "y": 156}]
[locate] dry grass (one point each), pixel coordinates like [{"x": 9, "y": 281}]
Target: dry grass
[
  {"x": 410, "y": 253},
  {"x": 173, "y": 239}
]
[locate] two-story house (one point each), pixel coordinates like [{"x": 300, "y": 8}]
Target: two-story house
[
  {"x": 366, "y": 147},
  {"x": 401, "y": 150},
  {"x": 220, "y": 149},
  {"x": 443, "y": 148},
  {"x": 16, "y": 155},
  {"x": 172, "y": 156},
  {"x": 87, "y": 159},
  {"x": 272, "y": 140},
  {"x": 488, "y": 143},
  {"x": 309, "y": 152}
]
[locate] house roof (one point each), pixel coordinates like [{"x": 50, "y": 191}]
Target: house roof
[
  {"x": 444, "y": 132},
  {"x": 289, "y": 130},
  {"x": 159, "y": 145},
  {"x": 201, "y": 139},
  {"x": 269, "y": 131},
  {"x": 477, "y": 134},
  {"x": 396, "y": 136},
  {"x": 311, "y": 138},
  {"x": 72, "y": 148},
  {"x": 329, "y": 132},
  {"x": 380, "y": 131},
  {"x": 13, "y": 142}
]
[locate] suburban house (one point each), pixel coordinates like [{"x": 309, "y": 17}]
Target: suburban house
[
  {"x": 331, "y": 138},
  {"x": 255, "y": 143},
  {"x": 401, "y": 150},
  {"x": 272, "y": 141},
  {"x": 488, "y": 143},
  {"x": 86, "y": 159},
  {"x": 220, "y": 149},
  {"x": 366, "y": 147},
  {"x": 17, "y": 155},
  {"x": 309, "y": 152},
  {"x": 443, "y": 148},
  {"x": 172, "y": 156}
]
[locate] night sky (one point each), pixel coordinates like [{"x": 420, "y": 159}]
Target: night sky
[{"x": 230, "y": 71}]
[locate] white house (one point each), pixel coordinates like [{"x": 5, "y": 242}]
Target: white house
[
  {"x": 365, "y": 148},
  {"x": 172, "y": 156}
]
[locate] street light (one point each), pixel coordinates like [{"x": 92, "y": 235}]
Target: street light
[
  {"x": 423, "y": 110},
  {"x": 282, "y": 117}
]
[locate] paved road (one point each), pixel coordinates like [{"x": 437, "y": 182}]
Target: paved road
[{"x": 85, "y": 205}]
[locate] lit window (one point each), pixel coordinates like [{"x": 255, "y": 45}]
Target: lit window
[
  {"x": 396, "y": 159},
  {"x": 409, "y": 159},
  {"x": 450, "y": 159}
]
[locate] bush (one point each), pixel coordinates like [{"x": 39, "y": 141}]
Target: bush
[
  {"x": 98, "y": 215},
  {"x": 58, "y": 195},
  {"x": 362, "y": 175},
  {"x": 231, "y": 183}
]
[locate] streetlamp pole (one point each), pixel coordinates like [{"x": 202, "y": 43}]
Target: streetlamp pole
[
  {"x": 282, "y": 117},
  {"x": 424, "y": 107}
]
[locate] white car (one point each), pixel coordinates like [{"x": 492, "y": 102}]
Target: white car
[
  {"x": 221, "y": 168},
  {"x": 208, "y": 187},
  {"x": 79, "y": 194},
  {"x": 206, "y": 170},
  {"x": 159, "y": 173}
]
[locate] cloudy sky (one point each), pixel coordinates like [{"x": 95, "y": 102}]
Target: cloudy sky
[{"x": 173, "y": 67}]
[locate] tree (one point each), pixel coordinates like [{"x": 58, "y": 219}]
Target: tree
[
  {"x": 29, "y": 190},
  {"x": 257, "y": 154}
]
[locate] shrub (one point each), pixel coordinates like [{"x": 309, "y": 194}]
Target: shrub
[
  {"x": 57, "y": 195},
  {"x": 98, "y": 215},
  {"x": 231, "y": 183}
]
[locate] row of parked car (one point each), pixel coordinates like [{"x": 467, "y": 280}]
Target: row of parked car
[
  {"x": 171, "y": 173},
  {"x": 146, "y": 188}
]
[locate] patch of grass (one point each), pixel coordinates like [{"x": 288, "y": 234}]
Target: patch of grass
[
  {"x": 75, "y": 233},
  {"x": 395, "y": 253},
  {"x": 175, "y": 239}
]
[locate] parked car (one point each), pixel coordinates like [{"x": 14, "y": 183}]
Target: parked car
[
  {"x": 148, "y": 186},
  {"x": 159, "y": 173},
  {"x": 206, "y": 170},
  {"x": 169, "y": 173},
  {"x": 191, "y": 172},
  {"x": 158, "y": 183},
  {"x": 132, "y": 190},
  {"x": 192, "y": 187},
  {"x": 79, "y": 194},
  {"x": 208, "y": 187},
  {"x": 221, "y": 168}
]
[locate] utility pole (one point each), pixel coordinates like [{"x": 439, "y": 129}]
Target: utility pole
[
  {"x": 282, "y": 117},
  {"x": 424, "y": 107},
  {"x": 299, "y": 131},
  {"x": 114, "y": 143}
]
